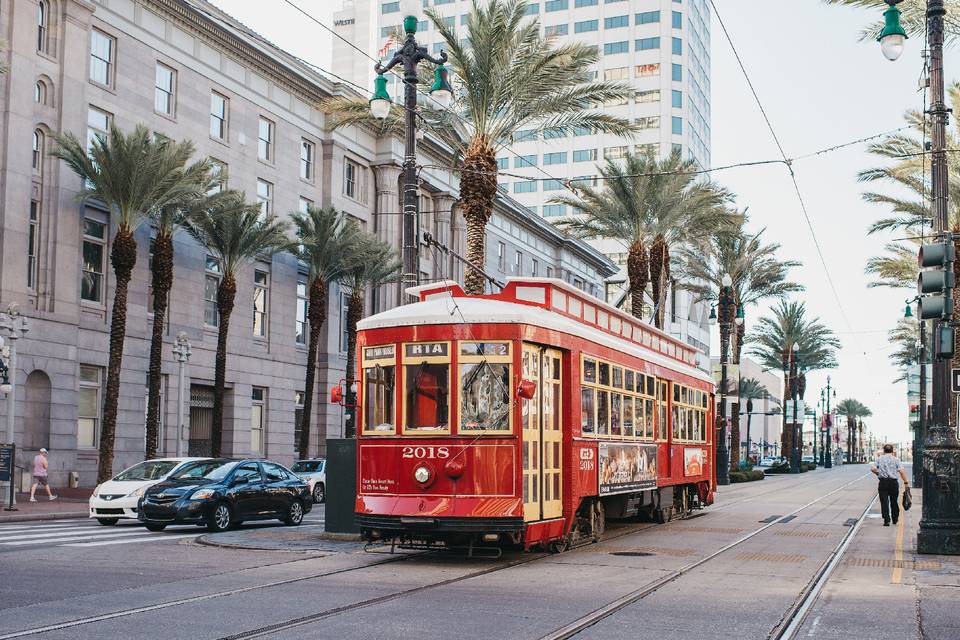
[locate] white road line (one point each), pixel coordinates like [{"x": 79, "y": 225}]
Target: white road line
[
  {"x": 4, "y": 530},
  {"x": 71, "y": 538},
  {"x": 22, "y": 535},
  {"x": 153, "y": 537}
]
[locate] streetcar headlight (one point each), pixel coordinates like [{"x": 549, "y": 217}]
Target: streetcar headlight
[{"x": 421, "y": 475}]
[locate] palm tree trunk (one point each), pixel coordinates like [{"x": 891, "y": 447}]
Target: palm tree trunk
[
  {"x": 657, "y": 253},
  {"x": 123, "y": 257},
  {"x": 664, "y": 286},
  {"x": 849, "y": 436},
  {"x": 638, "y": 274},
  {"x": 478, "y": 187},
  {"x": 786, "y": 435},
  {"x": 226, "y": 295},
  {"x": 354, "y": 313},
  {"x": 162, "y": 276},
  {"x": 735, "y": 406},
  {"x": 316, "y": 310}
]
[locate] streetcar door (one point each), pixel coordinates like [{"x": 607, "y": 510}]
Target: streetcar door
[{"x": 542, "y": 434}]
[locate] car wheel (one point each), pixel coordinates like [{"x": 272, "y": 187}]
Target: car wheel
[
  {"x": 155, "y": 527},
  {"x": 294, "y": 514},
  {"x": 319, "y": 493},
  {"x": 220, "y": 518},
  {"x": 108, "y": 522}
]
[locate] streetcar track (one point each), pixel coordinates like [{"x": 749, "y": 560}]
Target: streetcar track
[
  {"x": 590, "y": 619},
  {"x": 609, "y": 536}
]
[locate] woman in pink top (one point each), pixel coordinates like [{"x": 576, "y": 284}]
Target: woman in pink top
[{"x": 40, "y": 475}]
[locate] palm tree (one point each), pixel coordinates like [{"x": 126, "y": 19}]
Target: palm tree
[
  {"x": 376, "y": 263},
  {"x": 897, "y": 267},
  {"x": 165, "y": 221},
  {"x": 235, "y": 233},
  {"x": 772, "y": 341},
  {"x": 134, "y": 176},
  {"x": 853, "y": 409},
  {"x": 649, "y": 214},
  {"x": 507, "y": 76},
  {"x": 913, "y": 19},
  {"x": 904, "y": 337},
  {"x": 750, "y": 389},
  {"x": 756, "y": 274},
  {"x": 327, "y": 245}
]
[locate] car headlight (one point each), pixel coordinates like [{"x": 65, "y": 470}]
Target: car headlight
[
  {"x": 202, "y": 494},
  {"x": 137, "y": 493},
  {"x": 421, "y": 475},
  {"x": 96, "y": 491}
]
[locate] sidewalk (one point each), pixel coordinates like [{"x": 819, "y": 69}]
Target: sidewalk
[
  {"x": 882, "y": 588},
  {"x": 71, "y": 503}
]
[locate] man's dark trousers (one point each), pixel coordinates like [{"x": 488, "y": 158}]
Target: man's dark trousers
[{"x": 889, "y": 491}]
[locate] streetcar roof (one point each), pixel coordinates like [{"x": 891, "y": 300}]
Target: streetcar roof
[{"x": 440, "y": 304}]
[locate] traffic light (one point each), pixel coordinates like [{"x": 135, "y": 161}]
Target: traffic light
[{"x": 936, "y": 278}]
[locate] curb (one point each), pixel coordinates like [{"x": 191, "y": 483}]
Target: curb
[
  {"x": 205, "y": 540},
  {"x": 26, "y": 517},
  {"x": 341, "y": 537}
]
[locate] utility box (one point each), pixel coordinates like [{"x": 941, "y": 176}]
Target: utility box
[
  {"x": 73, "y": 480},
  {"x": 341, "y": 471}
]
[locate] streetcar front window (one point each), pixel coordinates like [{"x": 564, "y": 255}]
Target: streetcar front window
[
  {"x": 378, "y": 391},
  {"x": 484, "y": 396},
  {"x": 428, "y": 396}
]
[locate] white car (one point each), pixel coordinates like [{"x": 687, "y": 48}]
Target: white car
[
  {"x": 315, "y": 473},
  {"x": 117, "y": 498}
]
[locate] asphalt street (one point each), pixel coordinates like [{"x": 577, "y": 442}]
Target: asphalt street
[{"x": 736, "y": 570}]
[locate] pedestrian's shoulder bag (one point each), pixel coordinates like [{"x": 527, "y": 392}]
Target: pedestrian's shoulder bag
[{"x": 907, "y": 499}]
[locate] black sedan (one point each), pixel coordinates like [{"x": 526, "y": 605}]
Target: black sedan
[{"x": 222, "y": 493}]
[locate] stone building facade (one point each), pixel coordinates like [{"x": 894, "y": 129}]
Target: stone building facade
[{"x": 188, "y": 71}]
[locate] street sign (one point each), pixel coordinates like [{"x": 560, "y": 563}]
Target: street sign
[
  {"x": 955, "y": 380},
  {"x": 6, "y": 462}
]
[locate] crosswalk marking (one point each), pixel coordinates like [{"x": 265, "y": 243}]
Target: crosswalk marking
[
  {"x": 153, "y": 537},
  {"x": 4, "y": 530},
  {"x": 75, "y": 537}
]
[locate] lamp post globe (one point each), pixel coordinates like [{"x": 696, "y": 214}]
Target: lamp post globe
[
  {"x": 738, "y": 319},
  {"x": 726, "y": 280},
  {"x": 441, "y": 91},
  {"x": 892, "y": 36},
  {"x": 713, "y": 316},
  {"x": 380, "y": 102}
]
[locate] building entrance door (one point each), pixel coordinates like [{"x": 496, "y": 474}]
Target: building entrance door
[{"x": 201, "y": 421}]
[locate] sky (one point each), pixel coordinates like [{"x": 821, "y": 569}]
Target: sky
[{"x": 820, "y": 86}]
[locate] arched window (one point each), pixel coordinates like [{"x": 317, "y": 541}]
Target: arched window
[
  {"x": 37, "y": 149},
  {"x": 42, "y": 26},
  {"x": 40, "y": 93}
]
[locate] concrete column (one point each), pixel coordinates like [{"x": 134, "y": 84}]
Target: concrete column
[
  {"x": 443, "y": 216},
  {"x": 387, "y": 224},
  {"x": 457, "y": 242}
]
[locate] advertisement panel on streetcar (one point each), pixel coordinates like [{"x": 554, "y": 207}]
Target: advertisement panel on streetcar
[
  {"x": 694, "y": 459},
  {"x": 626, "y": 467}
]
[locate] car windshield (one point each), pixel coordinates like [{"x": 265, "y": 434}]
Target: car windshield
[
  {"x": 149, "y": 470},
  {"x": 210, "y": 469},
  {"x": 307, "y": 466}
]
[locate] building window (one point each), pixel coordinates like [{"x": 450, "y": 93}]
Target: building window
[
  {"x": 535, "y": 266},
  {"x": 261, "y": 293},
  {"x": 525, "y": 161},
  {"x": 552, "y": 185},
  {"x": 297, "y": 418},
  {"x": 265, "y": 140},
  {"x": 584, "y": 3},
  {"x": 218, "y": 176},
  {"x": 166, "y": 83},
  {"x": 501, "y": 256},
  {"x": 676, "y": 99},
  {"x": 526, "y": 186},
  {"x": 615, "y": 22},
  {"x": 503, "y": 163},
  {"x": 258, "y": 401},
  {"x": 647, "y": 17},
  {"x": 584, "y": 155},
  {"x": 643, "y": 44},
  {"x": 620, "y": 73},
  {"x": 390, "y": 7},
  {"x": 40, "y": 92},
  {"x": 265, "y": 198},
  {"x": 615, "y": 153},
  {"x": 43, "y": 26},
  {"x": 676, "y": 72},
  {"x": 37, "y": 158},
  {"x": 88, "y": 407},
  {"x": 532, "y": 9},
  {"x": 677, "y": 19},
  {"x": 677, "y": 46},
  {"x": 33, "y": 239},
  {"x": 647, "y": 70},
  {"x": 583, "y": 131},
  {"x": 556, "y": 30},
  {"x": 102, "y": 48},
  {"x": 649, "y": 149},
  {"x": 555, "y": 5},
  {"x": 518, "y": 263},
  {"x": 304, "y": 204},
  {"x": 301, "y": 327},
  {"x": 677, "y": 125},
  {"x": 585, "y": 26},
  {"x": 94, "y": 254},
  {"x": 558, "y": 157},
  {"x": 553, "y": 134},
  {"x": 211, "y": 316},
  {"x": 306, "y": 160},
  {"x": 344, "y": 325},
  {"x": 649, "y": 122},
  {"x": 219, "y": 107},
  {"x": 554, "y": 210},
  {"x": 98, "y": 126},
  {"x": 524, "y": 134},
  {"x": 677, "y": 149},
  {"x": 647, "y": 96},
  {"x": 354, "y": 179}
]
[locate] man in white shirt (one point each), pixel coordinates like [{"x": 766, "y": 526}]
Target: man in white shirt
[{"x": 887, "y": 468}]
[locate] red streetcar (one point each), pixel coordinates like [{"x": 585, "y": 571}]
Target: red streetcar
[{"x": 524, "y": 417}]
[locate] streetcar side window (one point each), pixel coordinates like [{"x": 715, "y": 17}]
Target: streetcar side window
[
  {"x": 662, "y": 390},
  {"x": 689, "y": 414},
  {"x": 588, "y": 409},
  {"x": 426, "y": 383},
  {"x": 616, "y": 402},
  {"x": 485, "y": 388},
  {"x": 378, "y": 408}
]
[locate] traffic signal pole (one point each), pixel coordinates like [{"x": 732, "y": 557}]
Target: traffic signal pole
[{"x": 940, "y": 521}]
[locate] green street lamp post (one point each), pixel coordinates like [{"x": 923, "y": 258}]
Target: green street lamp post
[
  {"x": 797, "y": 431},
  {"x": 919, "y": 432},
  {"x": 724, "y": 307},
  {"x": 409, "y": 55},
  {"x": 940, "y": 520}
]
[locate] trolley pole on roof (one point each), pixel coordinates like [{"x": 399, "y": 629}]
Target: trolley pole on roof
[{"x": 409, "y": 55}]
